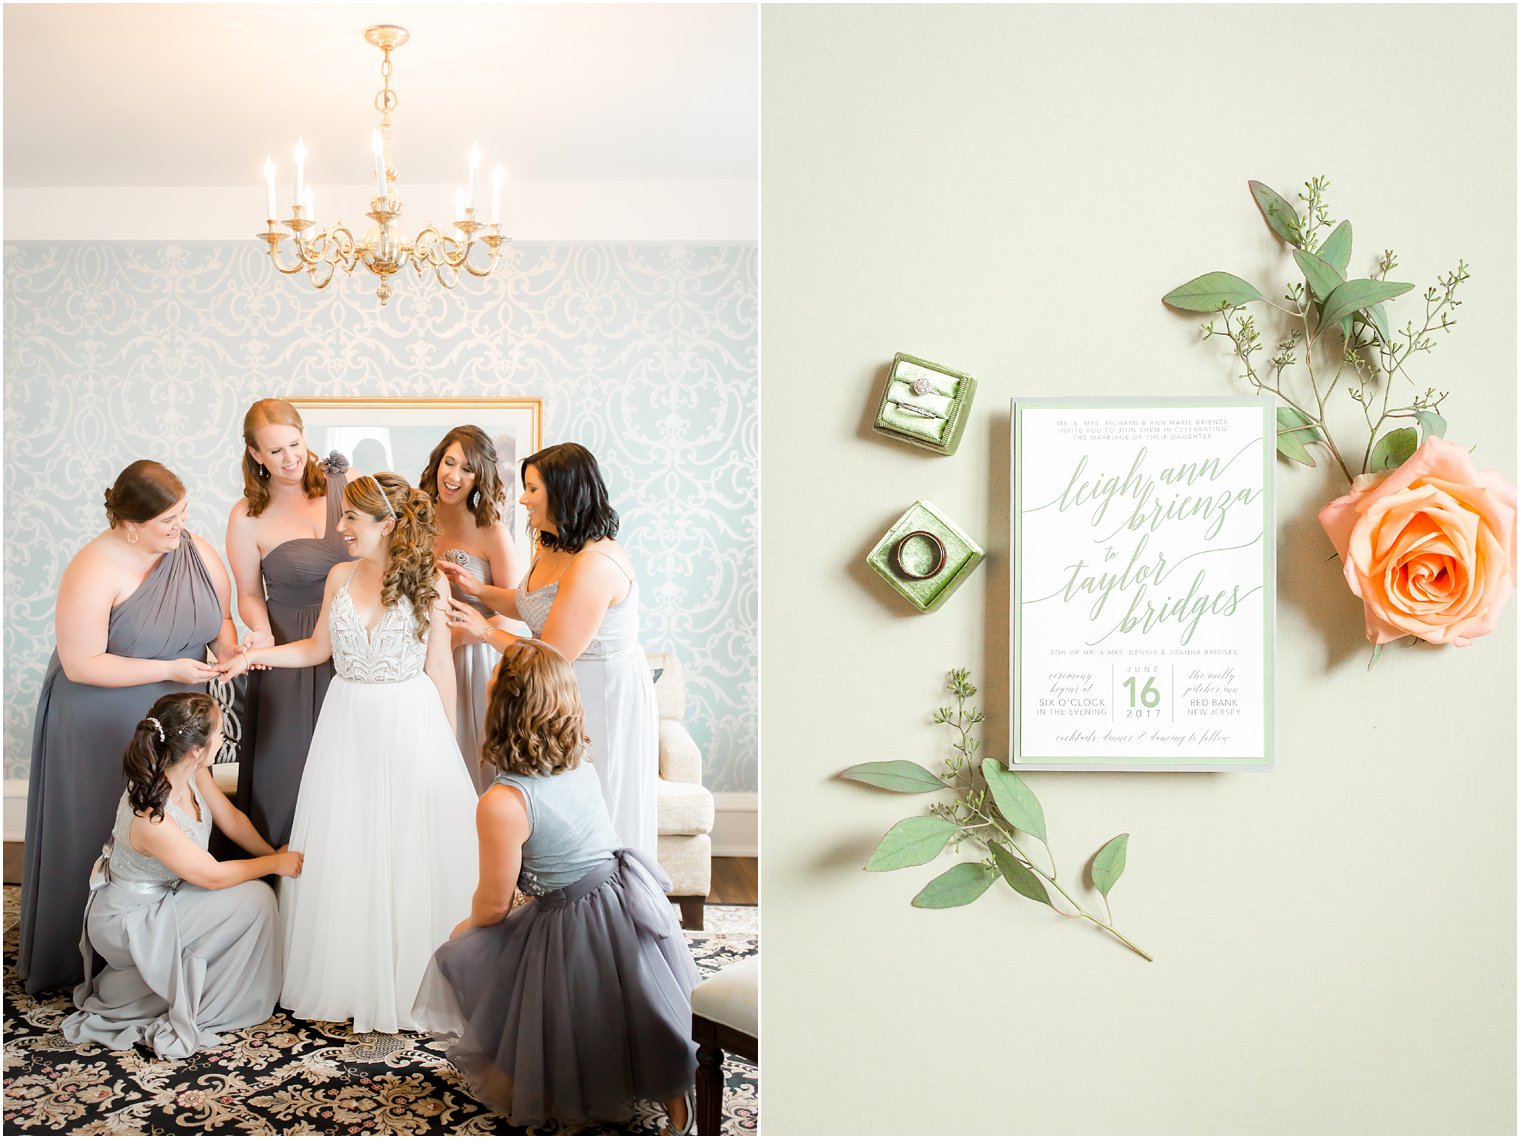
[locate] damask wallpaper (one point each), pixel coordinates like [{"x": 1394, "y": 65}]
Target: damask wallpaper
[{"x": 647, "y": 354}]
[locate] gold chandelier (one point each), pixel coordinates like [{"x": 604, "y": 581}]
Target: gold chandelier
[{"x": 384, "y": 251}]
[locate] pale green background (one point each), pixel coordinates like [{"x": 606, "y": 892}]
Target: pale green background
[{"x": 1009, "y": 191}]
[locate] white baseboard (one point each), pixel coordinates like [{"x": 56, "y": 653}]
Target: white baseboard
[
  {"x": 15, "y": 810},
  {"x": 736, "y": 826}
]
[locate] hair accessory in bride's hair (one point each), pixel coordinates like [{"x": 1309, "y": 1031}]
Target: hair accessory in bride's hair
[
  {"x": 159, "y": 728},
  {"x": 389, "y": 508}
]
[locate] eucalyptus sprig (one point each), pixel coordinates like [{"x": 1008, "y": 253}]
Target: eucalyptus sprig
[
  {"x": 992, "y": 807},
  {"x": 1345, "y": 322}
]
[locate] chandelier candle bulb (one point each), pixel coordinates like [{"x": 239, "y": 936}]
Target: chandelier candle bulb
[
  {"x": 379, "y": 148},
  {"x": 498, "y": 176},
  {"x": 300, "y": 155},
  {"x": 474, "y": 179},
  {"x": 269, "y": 181}
]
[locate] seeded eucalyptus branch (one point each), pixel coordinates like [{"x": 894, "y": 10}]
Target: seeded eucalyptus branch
[
  {"x": 1341, "y": 320},
  {"x": 991, "y": 807}
]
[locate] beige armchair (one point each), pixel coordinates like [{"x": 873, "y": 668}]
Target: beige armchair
[{"x": 684, "y": 806}]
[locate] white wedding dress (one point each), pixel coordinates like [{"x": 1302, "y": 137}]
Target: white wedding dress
[{"x": 386, "y": 821}]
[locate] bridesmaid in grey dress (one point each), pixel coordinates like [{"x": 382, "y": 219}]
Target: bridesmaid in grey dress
[
  {"x": 282, "y": 539},
  {"x": 464, "y": 478},
  {"x": 580, "y": 596},
  {"x": 137, "y": 608},
  {"x": 190, "y": 944},
  {"x": 578, "y": 1005}
]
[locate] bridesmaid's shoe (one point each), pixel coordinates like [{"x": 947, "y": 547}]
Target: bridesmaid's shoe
[{"x": 690, "y": 1100}]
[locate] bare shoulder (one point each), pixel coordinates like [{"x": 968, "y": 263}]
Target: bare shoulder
[
  {"x": 602, "y": 560},
  {"x": 503, "y": 805}
]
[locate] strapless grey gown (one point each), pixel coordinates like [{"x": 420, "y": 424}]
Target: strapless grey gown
[
  {"x": 287, "y": 701},
  {"x": 81, "y": 734},
  {"x": 622, "y": 717},
  {"x": 474, "y": 665}
]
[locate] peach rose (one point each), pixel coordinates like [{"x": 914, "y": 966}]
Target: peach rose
[{"x": 1429, "y": 547}]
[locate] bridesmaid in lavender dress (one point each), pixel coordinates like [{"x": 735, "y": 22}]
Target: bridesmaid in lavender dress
[
  {"x": 463, "y": 478},
  {"x": 137, "y": 608},
  {"x": 282, "y": 539}
]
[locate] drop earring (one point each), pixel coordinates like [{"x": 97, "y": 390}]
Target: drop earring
[
  {"x": 474, "y": 498},
  {"x": 263, "y": 471},
  {"x": 131, "y": 537}
]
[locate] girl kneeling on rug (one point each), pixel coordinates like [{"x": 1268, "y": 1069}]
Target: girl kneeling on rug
[
  {"x": 579, "y": 1002},
  {"x": 190, "y": 944}
]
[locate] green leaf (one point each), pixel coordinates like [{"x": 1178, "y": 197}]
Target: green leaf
[
  {"x": 1019, "y": 876},
  {"x": 1337, "y": 247},
  {"x": 1108, "y": 863},
  {"x": 959, "y": 886},
  {"x": 1279, "y": 212},
  {"x": 1377, "y": 651},
  {"x": 1431, "y": 424},
  {"x": 1322, "y": 276},
  {"x": 1212, "y": 292},
  {"x": 911, "y": 842},
  {"x": 1359, "y": 294},
  {"x": 1379, "y": 318},
  {"x": 1392, "y": 449},
  {"x": 1294, "y": 430},
  {"x": 1015, "y": 801},
  {"x": 895, "y": 775}
]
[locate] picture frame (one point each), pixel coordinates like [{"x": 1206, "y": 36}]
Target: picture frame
[
  {"x": 1143, "y": 584},
  {"x": 399, "y": 435}
]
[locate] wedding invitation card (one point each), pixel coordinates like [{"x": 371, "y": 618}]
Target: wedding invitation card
[{"x": 1143, "y": 584}]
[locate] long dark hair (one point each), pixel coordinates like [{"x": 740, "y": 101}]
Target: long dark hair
[
  {"x": 480, "y": 457},
  {"x": 577, "y": 496},
  {"x": 176, "y": 724}
]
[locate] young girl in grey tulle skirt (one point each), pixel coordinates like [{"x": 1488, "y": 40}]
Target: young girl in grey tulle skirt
[
  {"x": 189, "y": 943},
  {"x": 576, "y": 1004}
]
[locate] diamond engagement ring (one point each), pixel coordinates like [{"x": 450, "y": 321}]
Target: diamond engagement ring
[{"x": 923, "y": 385}]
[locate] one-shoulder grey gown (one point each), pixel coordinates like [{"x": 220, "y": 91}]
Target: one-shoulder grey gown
[
  {"x": 81, "y": 734},
  {"x": 287, "y": 701}
]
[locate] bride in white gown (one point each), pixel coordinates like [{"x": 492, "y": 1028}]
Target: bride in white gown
[{"x": 385, "y": 815}]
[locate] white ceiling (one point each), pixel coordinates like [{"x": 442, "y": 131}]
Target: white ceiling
[{"x": 197, "y": 94}]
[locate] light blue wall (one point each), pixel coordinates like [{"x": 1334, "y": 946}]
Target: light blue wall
[{"x": 645, "y": 353}]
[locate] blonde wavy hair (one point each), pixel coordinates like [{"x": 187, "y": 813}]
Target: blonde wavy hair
[
  {"x": 278, "y": 413},
  {"x": 411, "y": 570},
  {"x": 534, "y": 723}
]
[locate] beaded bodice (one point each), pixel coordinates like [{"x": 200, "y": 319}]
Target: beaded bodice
[
  {"x": 129, "y": 866},
  {"x": 391, "y": 654}
]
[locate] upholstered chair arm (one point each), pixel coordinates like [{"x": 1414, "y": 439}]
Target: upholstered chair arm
[{"x": 680, "y": 758}]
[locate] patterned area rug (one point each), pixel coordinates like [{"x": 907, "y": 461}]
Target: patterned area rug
[{"x": 290, "y": 1077}]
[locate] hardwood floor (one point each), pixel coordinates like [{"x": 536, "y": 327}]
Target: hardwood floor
[{"x": 735, "y": 881}]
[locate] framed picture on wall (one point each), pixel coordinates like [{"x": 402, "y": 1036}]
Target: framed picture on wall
[
  {"x": 1143, "y": 584},
  {"x": 399, "y": 435}
]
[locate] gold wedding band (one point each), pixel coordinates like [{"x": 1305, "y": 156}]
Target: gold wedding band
[{"x": 933, "y": 540}]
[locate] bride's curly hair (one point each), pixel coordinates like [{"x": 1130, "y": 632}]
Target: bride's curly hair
[
  {"x": 411, "y": 570},
  {"x": 534, "y": 723}
]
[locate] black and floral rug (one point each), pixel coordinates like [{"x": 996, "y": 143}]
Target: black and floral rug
[{"x": 288, "y": 1077}]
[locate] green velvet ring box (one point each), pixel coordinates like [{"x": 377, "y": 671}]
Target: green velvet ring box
[
  {"x": 925, "y": 556},
  {"x": 925, "y": 404}
]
